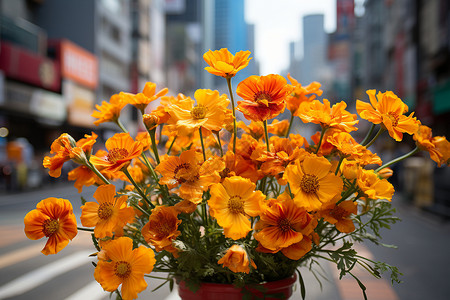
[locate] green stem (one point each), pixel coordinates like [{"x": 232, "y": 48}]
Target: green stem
[
  {"x": 201, "y": 141},
  {"x": 121, "y": 126},
  {"x": 414, "y": 151},
  {"x": 141, "y": 209},
  {"x": 234, "y": 114},
  {"x": 97, "y": 172},
  {"x": 220, "y": 143},
  {"x": 375, "y": 137},
  {"x": 125, "y": 171},
  {"x": 150, "y": 167},
  {"x": 290, "y": 124},
  {"x": 154, "y": 147},
  {"x": 85, "y": 229},
  {"x": 266, "y": 135},
  {"x": 171, "y": 144},
  {"x": 320, "y": 140},
  {"x": 369, "y": 133},
  {"x": 339, "y": 165}
]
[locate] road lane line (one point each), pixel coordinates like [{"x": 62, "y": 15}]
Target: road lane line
[
  {"x": 20, "y": 255},
  {"x": 43, "y": 274},
  {"x": 92, "y": 291}
]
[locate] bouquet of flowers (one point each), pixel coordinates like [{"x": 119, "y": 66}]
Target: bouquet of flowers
[{"x": 208, "y": 199}]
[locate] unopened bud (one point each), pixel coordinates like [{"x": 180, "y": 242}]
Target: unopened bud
[
  {"x": 349, "y": 169},
  {"x": 150, "y": 121},
  {"x": 385, "y": 173}
]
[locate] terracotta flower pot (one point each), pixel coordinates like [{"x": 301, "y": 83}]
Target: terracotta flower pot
[{"x": 280, "y": 289}]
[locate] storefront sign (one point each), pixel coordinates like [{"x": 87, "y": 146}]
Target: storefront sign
[
  {"x": 48, "y": 105},
  {"x": 80, "y": 104}
]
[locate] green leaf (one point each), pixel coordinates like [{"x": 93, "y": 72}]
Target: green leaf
[{"x": 302, "y": 285}]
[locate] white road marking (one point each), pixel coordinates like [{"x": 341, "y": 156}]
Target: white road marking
[{"x": 92, "y": 291}]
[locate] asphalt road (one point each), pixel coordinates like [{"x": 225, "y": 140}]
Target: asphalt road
[{"x": 423, "y": 241}]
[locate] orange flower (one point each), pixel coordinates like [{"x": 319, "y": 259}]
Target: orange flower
[
  {"x": 282, "y": 224},
  {"x": 255, "y": 129},
  {"x": 236, "y": 259},
  {"x": 263, "y": 96},
  {"x": 144, "y": 138},
  {"x": 162, "y": 228},
  {"x": 109, "y": 111},
  {"x": 162, "y": 111},
  {"x": 223, "y": 63},
  {"x": 236, "y": 165},
  {"x": 209, "y": 114},
  {"x": 327, "y": 116},
  {"x": 83, "y": 176},
  {"x": 110, "y": 214},
  {"x": 301, "y": 94},
  {"x": 65, "y": 149},
  {"x": 232, "y": 202},
  {"x": 279, "y": 128},
  {"x": 312, "y": 183},
  {"x": 387, "y": 109},
  {"x": 433, "y": 145},
  {"x": 121, "y": 150},
  {"x": 142, "y": 100},
  {"x": 124, "y": 265},
  {"x": 189, "y": 173},
  {"x": 339, "y": 214},
  {"x": 373, "y": 187},
  {"x": 53, "y": 218}
]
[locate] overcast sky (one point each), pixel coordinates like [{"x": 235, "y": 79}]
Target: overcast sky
[{"x": 278, "y": 22}]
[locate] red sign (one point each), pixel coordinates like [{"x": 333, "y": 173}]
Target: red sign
[
  {"x": 77, "y": 63},
  {"x": 22, "y": 65}
]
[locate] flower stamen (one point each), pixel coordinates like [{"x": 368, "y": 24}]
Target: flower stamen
[
  {"x": 199, "y": 112},
  {"x": 117, "y": 154},
  {"x": 236, "y": 205},
  {"x": 122, "y": 269},
  {"x": 105, "y": 211},
  {"x": 50, "y": 226},
  {"x": 309, "y": 183}
]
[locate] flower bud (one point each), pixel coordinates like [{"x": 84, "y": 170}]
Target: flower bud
[
  {"x": 385, "y": 173},
  {"x": 150, "y": 121},
  {"x": 349, "y": 169}
]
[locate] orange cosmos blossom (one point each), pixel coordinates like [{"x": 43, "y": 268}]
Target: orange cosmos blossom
[
  {"x": 190, "y": 174},
  {"x": 223, "y": 63},
  {"x": 121, "y": 150},
  {"x": 388, "y": 110},
  {"x": 254, "y": 129},
  {"x": 109, "y": 215},
  {"x": 142, "y": 100},
  {"x": 339, "y": 215},
  {"x": 65, "y": 149},
  {"x": 162, "y": 228},
  {"x": 279, "y": 128},
  {"x": 236, "y": 165},
  {"x": 327, "y": 116},
  {"x": 121, "y": 264},
  {"x": 312, "y": 183},
  {"x": 300, "y": 94},
  {"x": 53, "y": 218},
  {"x": 232, "y": 202},
  {"x": 83, "y": 176},
  {"x": 263, "y": 96},
  {"x": 109, "y": 111},
  {"x": 282, "y": 224},
  {"x": 437, "y": 146},
  {"x": 209, "y": 114},
  {"x": 372, "y": 186},
  {"x": 236, "y": 259}
]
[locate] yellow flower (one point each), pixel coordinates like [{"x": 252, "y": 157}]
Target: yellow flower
[
  {"x": 387, "y": 109},
  {"x": 142, "y": 100},
  {"x": 121, "y": 150},
  {"x": 312, "y": 183},
  {"x": 438, "y": 147},
  {"x": 124, "y": 265},
  {"x": 339, "y": 215},
  {"x": 209, "y": 114},
  {"x": 327, "y": 116},
  {"x": 301, "y": 94},
  {"x": 109, "y": 111},
  {"x": 232, "y": 202},
  {"x": 236, "y": 259},
  {"x": 53, "y": 218},
  {"x": 373, "y": 187},
  {"x": 223, "y": 63},
  {"x": 109, "y": 215}
]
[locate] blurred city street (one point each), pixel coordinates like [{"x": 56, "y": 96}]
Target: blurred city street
[{"x": 423, "y": 241}]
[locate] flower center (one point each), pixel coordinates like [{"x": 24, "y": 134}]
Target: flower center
[
  {"x": 309, "y": 183},
  {"x": 284, "y": 224},
  {"x": 116, "y": 154},
  {"x": 105, "y": 211},
  {"x": 199, "y": 112},
  {"x": 164, "y": 229},
  {"x": 122, "y": 269},
  {"x": 338, "y": 213},
  {"x": 50, "y": 226},
  {"x": 393, "y": 116},
  {"x": 262, "y": 97},
  {"x": 236, "y": 205}
]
